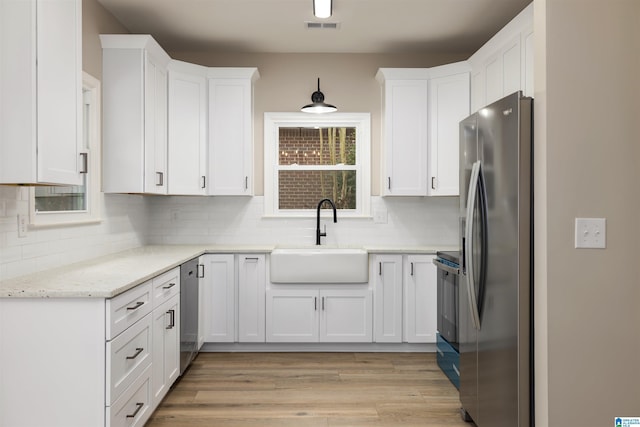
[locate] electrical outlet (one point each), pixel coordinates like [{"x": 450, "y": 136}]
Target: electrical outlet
[
  {"x": 23, "y": 223},
  {"x": 591, "y": 233},
  {"x": 380, "y": 216}
]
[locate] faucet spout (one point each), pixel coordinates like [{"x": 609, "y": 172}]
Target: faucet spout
[{"x": 320, "y": 234}]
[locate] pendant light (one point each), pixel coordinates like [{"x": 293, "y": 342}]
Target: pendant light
[
  {"x": 322, "y": 8},
  {"x": 318, "y": 105}
]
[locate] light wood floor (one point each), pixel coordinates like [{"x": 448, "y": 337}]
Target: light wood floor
[{"x": 311, "y": 389}]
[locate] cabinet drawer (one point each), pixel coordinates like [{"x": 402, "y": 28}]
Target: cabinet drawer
[
  {"x": 127, "y": 356},
  {"x": 448, "y": 360},
  {"x": 127, "y": 308},
  {"x": 134, "y": 406},
  {"x": 165, "y": 286}
]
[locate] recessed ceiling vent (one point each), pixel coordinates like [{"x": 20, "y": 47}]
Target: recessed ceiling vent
[{"x": 309, "y": 25}]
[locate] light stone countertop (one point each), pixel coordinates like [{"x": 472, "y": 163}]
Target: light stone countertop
[{"x": 108, "y": 276}]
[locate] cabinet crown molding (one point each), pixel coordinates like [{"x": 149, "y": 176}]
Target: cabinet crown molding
[{"x": 136, "y": 41}]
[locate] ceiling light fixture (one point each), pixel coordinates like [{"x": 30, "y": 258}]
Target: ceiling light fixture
[
  {"x": 318, "y": 105},
  {"x": 322, "y": 8}
]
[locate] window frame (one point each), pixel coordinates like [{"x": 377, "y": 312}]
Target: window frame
[
  {"x": 91, "y": 87},
  {"x": 272, "y": 124}
]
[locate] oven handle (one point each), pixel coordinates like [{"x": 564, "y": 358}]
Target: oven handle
[{"x": 441, "y": 265}]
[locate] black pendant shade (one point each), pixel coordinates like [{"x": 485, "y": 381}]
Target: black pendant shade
[{"x": 318, "y": 105}]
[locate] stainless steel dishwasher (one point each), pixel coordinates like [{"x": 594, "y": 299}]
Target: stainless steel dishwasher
[{"x": 188, "y": 313}]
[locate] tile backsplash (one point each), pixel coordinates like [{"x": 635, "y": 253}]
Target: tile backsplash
[
  {"x": 410, "y": 221},
  {"x": 129, "y": 221},
  {"x": 123, "y": 226}
]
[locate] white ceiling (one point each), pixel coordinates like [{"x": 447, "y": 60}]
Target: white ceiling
[{"x": 278, "y": 26}]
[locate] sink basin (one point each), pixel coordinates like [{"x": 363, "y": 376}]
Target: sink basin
[{"x": 319, "y": 265}]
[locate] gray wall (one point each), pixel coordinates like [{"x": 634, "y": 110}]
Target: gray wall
[{"x": 587, "y": 165}]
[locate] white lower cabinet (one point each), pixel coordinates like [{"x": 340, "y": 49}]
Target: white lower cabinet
[
  {"x": 405, "y": 298},
  {"x": 232, "y": 303},
  {"x": 312, "y": 315},
  {"x": 219, "y": 300},
  {"x": 420, "y": 299},
  {"x": 166, "y": 348},
  {"x": 143, "y": 360},
  {"x": 135, "y": 406},
  {"x": 386, "y": 274},
  {"x": 251, "y": 297},
  {"x": 102, "y": 357}
]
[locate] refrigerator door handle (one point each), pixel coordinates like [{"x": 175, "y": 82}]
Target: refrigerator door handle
[{"x": 469, "y": 229}]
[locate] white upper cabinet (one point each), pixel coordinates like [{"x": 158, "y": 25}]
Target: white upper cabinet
[
  {"x": 231, "y": 131},
  {"x": 448, "y": 104},
  {"x": 134, "y": 73},
  {"x": 187, "y": 143},
  {"x": 421, "y": 111},
  {"x": 505, "y": 63},
  {"x": 404, "y": 130},
  {"x": 41, "y": 106}
]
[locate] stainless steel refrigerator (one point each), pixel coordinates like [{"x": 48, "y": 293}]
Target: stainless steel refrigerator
[{"x": 496, "y": 273}]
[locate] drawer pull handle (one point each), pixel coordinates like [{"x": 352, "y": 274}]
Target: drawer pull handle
[
  {"x": 137, "y": 306},
  {"x": 169, "y": 286},
  {"x": 138, "y": 351},
  {"x": 138, "y": 407},
  {"x": 172, "y": 323}
]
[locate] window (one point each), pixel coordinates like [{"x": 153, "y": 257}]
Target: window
[
  {"x": 76, "y": 204},
  {"x": 312, "y": 157}
]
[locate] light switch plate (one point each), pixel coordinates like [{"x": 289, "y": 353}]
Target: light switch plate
[
  {"x": 591, "y": 233},
  {"x": 23, "y": 221}
]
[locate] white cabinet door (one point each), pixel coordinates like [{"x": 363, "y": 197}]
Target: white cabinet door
[
  {"x": 187, "y": 142},
  {"x": 219, "y": 312},
  {"x": 386, "y": 272},
  {"x": 165, "y": 363},
  {"x": 405, "y": 118},
  {"x": 134, "y": 145},
  {"x": 41, "y": 92},
  {"x": 420, "y": 299},
  {"x": 292, "y": 315},
  {"x": 155, "y": 126},
  {"x": 251, "y": 297},
  {"x": 231, "y": 131},
  {"x": 504, "y": 64},
  {"x": 346, "y": 316},
  {"x": 448, "y": 104}
]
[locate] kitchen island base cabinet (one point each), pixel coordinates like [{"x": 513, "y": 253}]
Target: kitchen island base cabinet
[
  {"x": 59, "y": 345},
  {"x": 312, "y": 315},
  {"x": 88, "y": 361}
]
